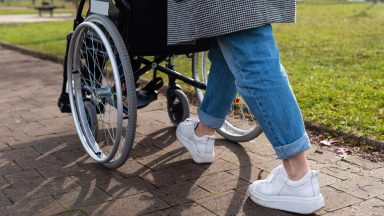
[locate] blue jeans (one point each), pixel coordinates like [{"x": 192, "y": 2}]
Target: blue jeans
[{"x": 248, "y": 62}]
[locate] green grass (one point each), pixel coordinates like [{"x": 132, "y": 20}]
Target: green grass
[
  {"x": 334, "y": 56},
  {"x": 45, "y": 37}
]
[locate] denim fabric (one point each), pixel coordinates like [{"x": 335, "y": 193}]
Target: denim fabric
[{"x": 249, "y": 62}]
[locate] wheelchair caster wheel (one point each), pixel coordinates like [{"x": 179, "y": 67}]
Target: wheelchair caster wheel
[{"x": 177, "y": 106}]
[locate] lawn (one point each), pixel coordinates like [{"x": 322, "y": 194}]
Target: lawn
[{"x": 333, "y": 55}]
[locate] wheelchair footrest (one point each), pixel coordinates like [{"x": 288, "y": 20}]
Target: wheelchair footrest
[
  {"x": 149, "y": 93},
  {"x": 145, "y": 97}
]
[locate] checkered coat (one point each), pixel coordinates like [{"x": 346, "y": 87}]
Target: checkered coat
[{"x": 189, "y": 20}]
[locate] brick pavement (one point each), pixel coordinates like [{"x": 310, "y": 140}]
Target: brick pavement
[{"x": 43, "y": 170}]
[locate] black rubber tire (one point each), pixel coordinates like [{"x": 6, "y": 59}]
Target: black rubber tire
[
  {"x": 130, "y": 88},
  {"x": 177, "y": 106}
]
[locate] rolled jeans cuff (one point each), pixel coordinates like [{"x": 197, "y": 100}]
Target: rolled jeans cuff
[
  {"x": 210, "y": 121},
  {"x": 287, "y": 151}
]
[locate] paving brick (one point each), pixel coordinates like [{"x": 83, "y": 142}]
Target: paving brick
[
  {"x": 7, "y": 166},
  {"x": 131, "y": 168},
  {"x": 5, "y": 131},
  {"x": 4, "y": 201},
  {"x": 326, "y": 157},
  {"x": 176, "y": 157},
  {"x": 269, "y": 165},
  {"x": 249, "y": 173},
  {"x": 44, "y": 113},
  {"x": 218, "y": 165},
  {"x": 240, "y": 157},
  {"x": 149, "y": 151},
  {"x": 364, "y": 163},
  {"x": 220, "y": 182},
  {"x": 234, "y": 203},
  {"x": 39, "y": 189},
  {"x": 133, "y": 205},
  {"x": 12, "y": 122},
  {"x": 41, "y": 206},
  {"x": 28, "y": 177},
  {"x": 4, "y": 147},
  {"x": 173, "y": 175},
  {"x": 377, "y": 173},
  {"x": 68, "y": 156},
  {"x": 59, "y": 169},
  {"x": 82, "y": 197},
  {"x": 343, "y": 170},
  {"x": 372, "y": 206},
  {"x": 189, "y": 209},
  {"x": 50, "y": 126},
  {"x": 74, "y": 212},
  {"x": 361, "y": 187},
  {"x": 3, "y": 183},
  {"x": 180, "y": 193},
  {"x": 49, "y": 146},
  {"x": 325, "y": 179},
  {"x": 348, "y": 211},
  {"x": 37, "y": 162},
  {"x": 112, "y": 183},
  {"x": 335, "y": 199}
]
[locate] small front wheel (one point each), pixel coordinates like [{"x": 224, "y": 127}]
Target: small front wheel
[{"x": 177, "y": 106}]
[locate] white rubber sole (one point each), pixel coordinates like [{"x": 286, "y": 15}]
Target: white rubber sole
[
  {"x": 198, "y": 158},
  {"x": 290, "y": 204}
]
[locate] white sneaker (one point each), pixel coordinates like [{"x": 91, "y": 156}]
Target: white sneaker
[
  {"x": 200, "y": 148},
  {"x": 279, "y": 192}
]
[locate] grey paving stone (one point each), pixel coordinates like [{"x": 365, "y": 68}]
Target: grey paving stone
[
  {"x": 372, "y": 206},
  {"x": 82, "y": 197},
  {"x": 189, "y": 209},
  {"x": 59, "y": 169},
  {"x": 173, "y": 175},
  {"x": 180, "y": 193},
  {"x": 3, "y": 183},
  {"x": 7, "y": 167},
  {"x": 348, "y": 211},
  {"x": 249, "y": 173},
  {"x": 229, "y": 203},
  {"x": 377, "y": 173},
  {"x": 133, "y": 205},
  {"x": 4, "y": 200},
  {"x": 361, "y": 187},
  {"x": 343, "y": 170},
  {"x": 4, "y": 147},
  {"x": 220, "y": 182},
  {"x": 218, "y": 165},
  {"x": 42, "y": 206},
  {"x": 112, "y": 183},
  {"x": 39, "y": 189},
  {"x": 335, "y": 199}
]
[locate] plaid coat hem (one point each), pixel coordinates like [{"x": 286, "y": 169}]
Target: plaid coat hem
[{"x": 189, "y": 20}]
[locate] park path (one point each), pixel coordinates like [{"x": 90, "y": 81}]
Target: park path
[
  {"x": 44, "y": 171},
  {"x": 33, "y": 18}
]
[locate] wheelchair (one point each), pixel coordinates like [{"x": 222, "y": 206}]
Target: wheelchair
[{"x": 109, "y": 50}]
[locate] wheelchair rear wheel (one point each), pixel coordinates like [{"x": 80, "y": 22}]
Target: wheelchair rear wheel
[
  {"x": 240, "y": 125},
  {"x": 102, "y": 91}
]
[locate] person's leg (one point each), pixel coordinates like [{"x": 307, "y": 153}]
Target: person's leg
[
  {"x": 218, "y": 97},
  {"x": 254, "y": 59},
  {"x": 220, "y": 92}
]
